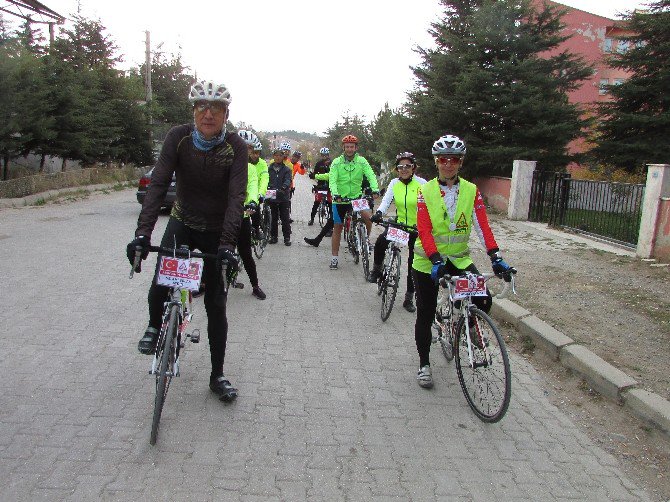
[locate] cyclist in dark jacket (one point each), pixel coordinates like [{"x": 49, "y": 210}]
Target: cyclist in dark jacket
[
  {"x": 280, "y": 182},
  {"x": 210, "y": 164}
]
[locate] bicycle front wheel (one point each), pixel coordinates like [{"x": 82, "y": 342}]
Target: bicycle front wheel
[
  {"x": 487, "y": 380},
  {"x": 351, "y": 241},
  {"x": 166, "y": 358},
  {"x": 323, "y": 214},
  {"x": 364, "y": 250},
  {"x": 390, "y": 285},
  {"x": 259, "y": 241}
]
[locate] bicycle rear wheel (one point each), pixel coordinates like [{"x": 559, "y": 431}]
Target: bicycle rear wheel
[
  {"x": 487, "y": 384},
  {"x": 444, "y": 326},
  {"x": 390, "y": 285},
  {"x": 166, "y": 358},
  {"x": 364, "y": 250}
]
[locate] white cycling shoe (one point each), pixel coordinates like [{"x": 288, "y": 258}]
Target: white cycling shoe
[{"x": 425, "y": 377}]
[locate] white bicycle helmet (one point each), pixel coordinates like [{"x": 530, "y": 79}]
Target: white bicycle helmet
[
  {"x": 248, "y": 137},
  {"x": 285, "y": 146},
  {"x": 206, "y": 90},
  {"x": 257, "y": 145},
  {"x": 324, "y": 151},
  {"x": 449, "y": 145}
]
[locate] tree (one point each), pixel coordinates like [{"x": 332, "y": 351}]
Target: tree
[
  {"x": 350, "y": 125},
  {"x": 494, "y": 81},
  {"x": 636, "y": 122},
  {"x": 170, "y": 85}
]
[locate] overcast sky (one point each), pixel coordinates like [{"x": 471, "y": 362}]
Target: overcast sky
[{"x": 294, "y": 64}]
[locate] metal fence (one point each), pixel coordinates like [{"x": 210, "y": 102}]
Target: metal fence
[{"x": 608, "y": 210}]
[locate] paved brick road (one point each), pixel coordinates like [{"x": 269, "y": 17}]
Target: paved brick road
[{"x": 329, "y": 407}]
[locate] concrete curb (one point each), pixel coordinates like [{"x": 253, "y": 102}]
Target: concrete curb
[
  {"x": 30, "y": 200},
  {"x": 602, "y": 376}
]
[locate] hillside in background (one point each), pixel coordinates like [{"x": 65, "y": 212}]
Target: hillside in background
[{"x": 307, "y": 143}]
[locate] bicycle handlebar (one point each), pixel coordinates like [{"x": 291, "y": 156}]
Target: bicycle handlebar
[
  {"x": 396, "y": 224},
  {"x": 508, "y": 277}
]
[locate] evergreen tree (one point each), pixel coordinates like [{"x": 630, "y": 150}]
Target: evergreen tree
[
  {"x": 492, "y": 80},
  {"x": 637, "y": 120},
  {"x": 350, "y": 125}
]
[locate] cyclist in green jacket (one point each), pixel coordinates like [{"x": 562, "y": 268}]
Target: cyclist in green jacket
[
  {"x": 345, "y": 178},
  {"x": 253, "y": 189}
]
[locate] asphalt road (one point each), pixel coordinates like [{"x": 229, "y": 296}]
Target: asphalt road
[{"x": 329, "y": 408}]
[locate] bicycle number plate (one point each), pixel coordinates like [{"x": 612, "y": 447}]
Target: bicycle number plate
[
  {"x": 179, "y": 273},
  {"x": 322, "y": 192},
  {"x": 271, "y": 194},
  {"x": 397, "y": 235},
  {"x": 360, "y": 205},
  {"x": 470, "y": 285}
]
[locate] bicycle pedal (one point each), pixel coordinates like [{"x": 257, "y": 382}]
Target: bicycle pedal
[{"x": 195, "y": 336}]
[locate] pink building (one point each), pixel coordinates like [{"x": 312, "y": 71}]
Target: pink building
[{"x": 594, "y": 38}]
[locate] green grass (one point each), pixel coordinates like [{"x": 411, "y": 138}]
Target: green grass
[{"x": 621, "y": 226}]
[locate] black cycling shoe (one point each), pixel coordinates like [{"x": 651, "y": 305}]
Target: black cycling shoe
[
  {"x": 147, "y": 344},
  {"x": 273, "y": 240},
  {"x": 408, "y": 304},
  {"x": 312, "y": 242},
  {"x": 222, "y": 388},
  {"x": 374, "y": 275}
]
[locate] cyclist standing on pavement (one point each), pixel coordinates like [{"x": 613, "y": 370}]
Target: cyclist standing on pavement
[
  {"x": 345, "y": 178},
  {"x": 448, "y": 209},
  {"x": 320, "y": 168},
  {"x": 280, "y": 181},
  {"x": 263, "y": 180},
  {"x": 210, "y": 164},
  {"x": 296, "y": 168},
  {"x": 244, "y": 241},
  {"x": 403, "y": 191}
]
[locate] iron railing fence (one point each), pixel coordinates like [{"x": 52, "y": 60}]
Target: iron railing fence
[{"x": 604, "y": 209}]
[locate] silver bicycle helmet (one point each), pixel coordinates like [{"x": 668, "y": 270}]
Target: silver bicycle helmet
[
  {"x": 449, "y": 145},
  {"x": 206, "y": 90},
  {"x": 285, "y": 146},
  {"x": 405, "y": 155},
  {"x": 324, "y": 151},
  {"x": 257, "y": 145},
  {"x": 248, "y": 137}
]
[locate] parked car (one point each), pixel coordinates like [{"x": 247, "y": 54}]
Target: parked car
[{"x": 143, "y": 185}]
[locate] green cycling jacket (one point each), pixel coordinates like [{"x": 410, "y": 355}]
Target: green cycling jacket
[{"x": 346, "y": 177}]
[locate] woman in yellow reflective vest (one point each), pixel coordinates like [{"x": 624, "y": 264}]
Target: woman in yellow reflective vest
[
  {"x": 402, "y": 191},
  {"x": 448, "y": 208}
]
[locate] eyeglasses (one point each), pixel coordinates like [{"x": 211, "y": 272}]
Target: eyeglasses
[
  {"x": 450, "y": 158},
  {"x": 402, "y": 167},
  {"x": 214, "y": 106}
]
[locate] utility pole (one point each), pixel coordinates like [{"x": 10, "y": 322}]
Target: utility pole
[{"x": 147, "y": 79}]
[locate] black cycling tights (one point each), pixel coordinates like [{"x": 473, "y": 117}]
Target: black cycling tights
[
  {"x": 215, "y": 303},
  {"x": 426, "y": 303},
  {"x": 244, "y": 248}
]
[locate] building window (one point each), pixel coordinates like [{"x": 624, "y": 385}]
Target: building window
[
  {"x": 602, "y": 88},
  {"x": 618, "y": 81},
  {"x": 608, "y": 45},
  {"x": 622, "y": 46}
]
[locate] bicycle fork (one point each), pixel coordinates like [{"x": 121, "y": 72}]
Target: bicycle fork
[{"x": 487, "y": 357}]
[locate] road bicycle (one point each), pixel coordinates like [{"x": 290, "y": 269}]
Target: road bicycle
[
  {"x": 470, "y": 337},
  {"x": 260, "y": 236},
  {"x": 324, "y": 209},
  {"x": 183, "y": 274},
  {"x": 356, "y": 235},
  {"x": 398, "y": 235}
]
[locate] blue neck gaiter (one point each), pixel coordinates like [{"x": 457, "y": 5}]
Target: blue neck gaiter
[{"x": 206, "y": 145}]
